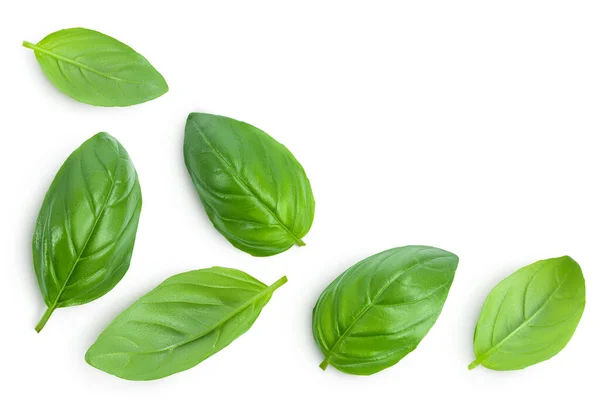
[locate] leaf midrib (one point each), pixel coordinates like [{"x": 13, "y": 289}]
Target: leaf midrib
[
  {"x": 82, "y": 66},
  {"x": 238, "y": 179}
]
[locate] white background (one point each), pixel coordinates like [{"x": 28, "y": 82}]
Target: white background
[{"x": 466, "y": 125}]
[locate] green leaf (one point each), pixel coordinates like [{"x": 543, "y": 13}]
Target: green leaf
[
  {"x": 183, "y": 321},
  {"x": 530, "y": 316},
  {"x": 96, "y": 69},
  {"x": 253, "y": 189},
  {"x": 86, "y": 227},
  {"x": 378, "y": 311}
]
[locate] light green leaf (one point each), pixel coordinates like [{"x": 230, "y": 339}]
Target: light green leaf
[
  {"x": 96, "y": 69},
  {"x": 183, "y": 321},
  {"x": 530, "y": 316}
]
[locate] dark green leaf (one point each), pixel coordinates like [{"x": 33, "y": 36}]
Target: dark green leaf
[
  {"x": 253, "y": 189},
  {"x": 183, "y": 321},
  {"x": 530, "y": 316},
  {"x": 96, "y": 69},
  {"x": 86, "y": 228},
  {"x": 379, "y": 310}
]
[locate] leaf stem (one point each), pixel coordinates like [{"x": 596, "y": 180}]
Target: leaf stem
[
  {"x": 29, "y": 45},
  {"x": 40, "y": 325},
  {"x": 474, "y": 364},
  {"x": 324, "y": 364},
  {"x": 300, "y": 243},
  {"x": 279, "y": 283}
]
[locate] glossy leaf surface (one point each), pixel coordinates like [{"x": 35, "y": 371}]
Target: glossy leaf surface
[
  {"x": 180, "y": 323},
  {"x": 253, "y": 189},
  {"x": 378, "y": 311},
  {"x": 96, "y": 69},
  {"x": 530, "y": 316},
  {"x": 86, "y": 228}
]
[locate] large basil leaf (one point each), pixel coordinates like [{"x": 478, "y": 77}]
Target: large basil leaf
[
  {"x": 86, "y": 228},
  {"x": 253, "y": 189},
  {"x": 379, "y": 310},
  {"x": 530, "y": 316},
  {"x": 96, "y": 69},
  {"x": 183, "y": 321}
]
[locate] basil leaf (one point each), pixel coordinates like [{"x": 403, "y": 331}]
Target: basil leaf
[
  {"x": 183, "y": 321},
  {"x": 379, "y": 310},
  {"x": 96, "y": 69},
  {"x": 530, "y": 316},
  {"x": 253, "y": 189},
  {"x": 86, "y": 227}
]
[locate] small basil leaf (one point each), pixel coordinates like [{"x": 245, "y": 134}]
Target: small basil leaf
[
  {"x": 86, "y": 227},
  {"x": 378, "y": 311},
  {"x": 183, "y": 321},
  {"x": 96, "y": 69},
  {"x": 530, "y": 316},
  {"x": 253, "y": 189}
]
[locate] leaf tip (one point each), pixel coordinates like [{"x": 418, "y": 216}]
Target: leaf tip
[
  {"x": 568, "y": 258},
  {"x": 88, "y": 357}
]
